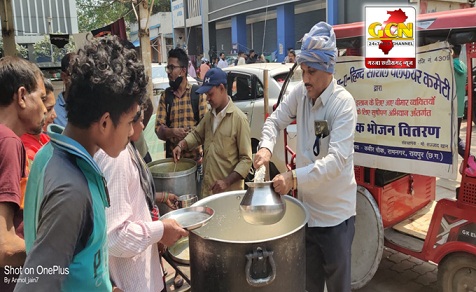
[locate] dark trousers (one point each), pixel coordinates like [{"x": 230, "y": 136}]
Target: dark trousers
[{"x": 328, "y": 257}]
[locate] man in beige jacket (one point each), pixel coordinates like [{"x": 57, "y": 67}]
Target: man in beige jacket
[{"x": 224, "y": 133}]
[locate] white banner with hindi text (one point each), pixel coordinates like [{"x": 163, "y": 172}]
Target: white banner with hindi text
[{"x": 407, "y": 119}]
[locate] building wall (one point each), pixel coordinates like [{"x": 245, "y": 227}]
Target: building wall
[
  {"x": 260, "y": 41},
  {"x": 255, "y": 37},
  {"x": 159, "y": 23},
  {"x": 257, "y": 14},
  {"x": 223, "y": 41},
  {"x": 308, "y": 13},
  {"x": 303, "y": 23},
  {"x": 31, "y": 18},
  {"x": 225, "y": 8},
  {"x": 354, "y": 9},
  {"x": 160, "y": 28},
  {"x": 195, "y": 44}
]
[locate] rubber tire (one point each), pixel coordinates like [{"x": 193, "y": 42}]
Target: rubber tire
[
  {"x": 459, "y": 264},
  {"x": 365, "y": 259}
]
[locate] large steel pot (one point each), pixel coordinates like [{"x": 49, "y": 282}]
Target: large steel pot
[
  {"x": 182, "y": 181},
  {"x": 228, "y": 254}
]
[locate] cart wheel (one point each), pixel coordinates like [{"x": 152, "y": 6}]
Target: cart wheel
[
  {"x": 457, "y": 272},
  {"x": 367, "y": 246}
]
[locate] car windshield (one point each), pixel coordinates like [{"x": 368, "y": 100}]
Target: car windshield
[
  {"x": 230, "y": 59},
  {"x": 159, "y": 72},
  {"x": 297, "y": 77}
]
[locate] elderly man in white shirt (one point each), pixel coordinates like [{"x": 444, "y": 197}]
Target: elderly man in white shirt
[{"x": 324, "y": 176}]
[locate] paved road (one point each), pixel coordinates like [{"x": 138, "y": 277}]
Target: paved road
[{"x": 398, "y": 272}]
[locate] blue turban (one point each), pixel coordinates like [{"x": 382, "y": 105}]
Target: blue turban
[{"x": 318, "y": 48}]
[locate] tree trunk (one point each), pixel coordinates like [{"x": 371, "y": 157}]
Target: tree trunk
[
  {"x": 145, "y": 43},
  {"x": 8, "y": 28}
]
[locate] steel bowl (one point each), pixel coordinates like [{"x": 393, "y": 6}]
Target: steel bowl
[{"x": 185, "y": 201}]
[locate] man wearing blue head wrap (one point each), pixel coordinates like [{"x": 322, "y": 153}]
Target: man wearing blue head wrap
[{"x": 324, "y": 176}]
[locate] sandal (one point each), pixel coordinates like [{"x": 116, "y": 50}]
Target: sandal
[{"x": 178, "y": 280}]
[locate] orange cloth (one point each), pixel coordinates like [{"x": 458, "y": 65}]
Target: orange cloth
[{"x": 32, "y": 144}]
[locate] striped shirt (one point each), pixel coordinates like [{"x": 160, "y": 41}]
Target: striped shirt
[{"x": 134, "y": 262}]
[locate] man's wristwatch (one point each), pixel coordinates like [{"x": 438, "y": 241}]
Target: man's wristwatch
[{"x": 294, "y": 179}]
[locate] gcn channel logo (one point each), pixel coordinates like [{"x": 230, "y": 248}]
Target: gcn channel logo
[{"x": 390, "y": 37}]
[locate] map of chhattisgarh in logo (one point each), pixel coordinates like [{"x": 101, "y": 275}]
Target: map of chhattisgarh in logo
[
  {"x": 397, "y": 18},
  {"x": 390, "y": 37}
]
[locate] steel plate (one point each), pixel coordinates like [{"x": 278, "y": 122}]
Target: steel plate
[{"x": 190, "y": 218}]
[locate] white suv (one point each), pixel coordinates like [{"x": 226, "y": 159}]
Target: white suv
[{"x": 245, "y": 86}]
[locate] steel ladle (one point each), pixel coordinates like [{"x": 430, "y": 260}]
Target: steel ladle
[{"x": 261, "y": 204}]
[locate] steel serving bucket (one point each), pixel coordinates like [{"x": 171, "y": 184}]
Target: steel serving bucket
[
  {"x": 230, "y": 255},
  {"x": 181, "y": 182}
]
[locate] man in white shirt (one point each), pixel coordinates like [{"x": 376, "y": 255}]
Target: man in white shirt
[
  {"x": 222, "y": 63},
  {"x": 241, "y": 59},
  {"x": 324, "y": 176}
]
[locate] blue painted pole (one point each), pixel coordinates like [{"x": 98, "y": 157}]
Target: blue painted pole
[
  {"x": 285, "y": 30},
  {"x": 332, "y": 12},
  {"x": 238, "y": 33}
]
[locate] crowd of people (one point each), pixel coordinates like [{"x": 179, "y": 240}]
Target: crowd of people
[
  {"x": 199, "y": 70},
  {"x": 78, "y": 200}
]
